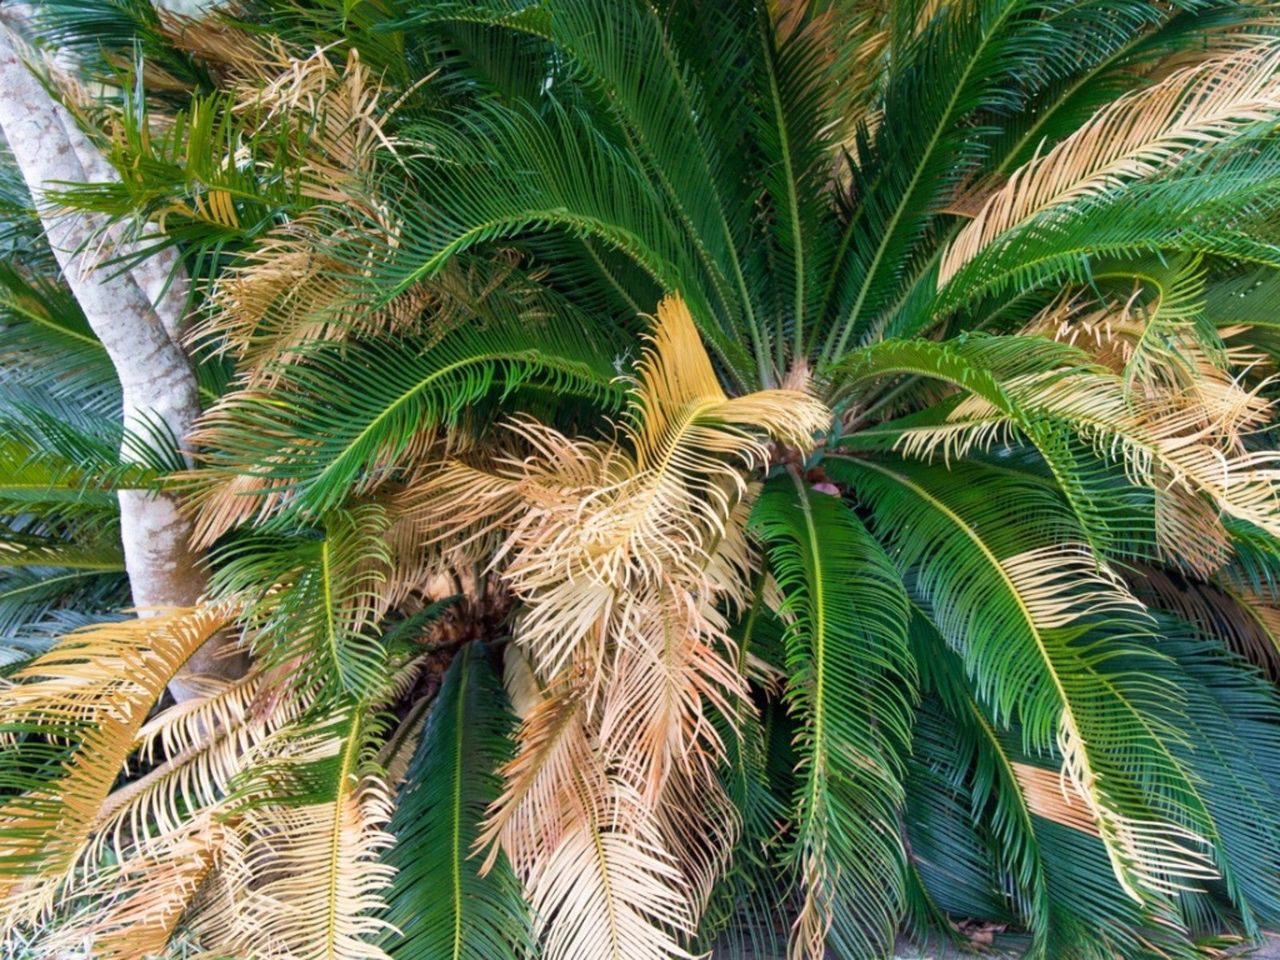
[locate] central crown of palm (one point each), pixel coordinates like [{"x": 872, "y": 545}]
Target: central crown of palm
[{"x": 846, "y": 423}]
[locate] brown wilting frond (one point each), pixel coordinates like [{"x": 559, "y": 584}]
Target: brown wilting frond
[
  {"x": 448, "y": 503},
  {"x": 622, "y": 555},
  {"x": 291, "y": 288},
  {"x": 1136, "y": 137},
  {"x": 92, "y": 691},
  {"x": 1165, "y": 357},
  {"x": 227, "y": 49},
  {"x": 306, "y": 881},
  {"x": 1047, "y": 796},
  {"x": 139, "y": 901},
  {"x": 553, "y": 781},
  {"x": 231, "y": 502},
  {"x": 1171, "y": 376}
]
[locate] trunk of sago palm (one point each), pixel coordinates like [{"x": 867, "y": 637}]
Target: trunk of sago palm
[{"x": 136, "y": 315}]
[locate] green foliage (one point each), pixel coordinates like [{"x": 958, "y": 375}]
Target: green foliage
[
  {"x": 849, "y": 684},
  {"x": 442, "y": 904},
  {"x": 1006, "y": 632}
]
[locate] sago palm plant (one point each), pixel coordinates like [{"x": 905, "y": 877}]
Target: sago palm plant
[{"x": 727, "y": 477}]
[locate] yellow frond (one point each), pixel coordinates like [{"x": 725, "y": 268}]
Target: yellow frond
[
  {"x": 1062, "y": 583},
  {"x": 621, "y": 553},
  {"x": 608, "y": 890},
  {"x": 93, "y": 691},
  {"x": 678, "y": 392},
  {"x": 198, "y": 746},
  {"x": 551, "y": 783}
]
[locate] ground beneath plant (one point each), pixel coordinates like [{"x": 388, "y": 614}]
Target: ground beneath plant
[{"x": 907, "y": 951}]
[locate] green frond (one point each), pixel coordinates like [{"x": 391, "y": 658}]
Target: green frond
[
  {"x": 626, "y": 61},
  {"x": 440, "y": 902},
  {"x": 742, "y": 918},
  {"x": 341, "y": 418},
  {"x": 311, "y": 601},
  {"x": 1047, "y": 640},
  {"x": 988, "y": 367},
  {"x": 48, "y": 345},
  {"x": 189, "y": 180},
  {"x": 1032, "y": 838},
  {"x": 849, "y": 686},
  {"x": 973, "y": 58}
]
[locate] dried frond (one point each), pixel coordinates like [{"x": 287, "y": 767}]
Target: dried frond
[
  {"x": 201, "y": 746},
  {"x": 91, "y": 692},
  {"x": 139, "y": 902},
  {"x": 1060, "y": 584},
  {"x": 1047, "y": 796},
  {"x": 1134, "y": 138},
  {"x": 238, "y": 52},
  {"x": 294, "y": 287},
  {"x": 608, "y": 889},
  {"x": 1245, "y": 621},
  {"x": 622, "y": 557},
  {"x": 311, "y": 814},
  {"x": 669, "y": 668},
  {"x": 552, "y": 781}
]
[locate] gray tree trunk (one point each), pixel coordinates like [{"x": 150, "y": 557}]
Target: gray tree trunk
[{"x": 137, "y": 319}]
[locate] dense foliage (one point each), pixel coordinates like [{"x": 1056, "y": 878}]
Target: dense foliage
[{"x": 692, "y": 475}]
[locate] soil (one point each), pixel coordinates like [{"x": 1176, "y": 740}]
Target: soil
[{"x": 906, "y": 951}]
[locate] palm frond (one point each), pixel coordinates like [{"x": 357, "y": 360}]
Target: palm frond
[
  {"x": 313, "y": 601},
  {"x": 88, "y": 696},
  {"x": 1133, "y": 138},
  {"x": 849, "y": 685},
  {"x": 311, "y": 808},
  {"x": 439, "y": 902},
  {"x": 986, "y": 586},
  {"x": 398, "y": 395}
]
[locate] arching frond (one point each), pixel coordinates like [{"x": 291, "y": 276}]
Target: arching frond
[
  {"x": 89, "y": 696},
  {"x": 621, "y": 558},
  {"x": 263, "y": 442},
  {"x": 1133, "y": 138},
  {"x": 195, "y": 749},
  {"x": 1042, "y": 634},
  {"x": 849, "y": 686}
]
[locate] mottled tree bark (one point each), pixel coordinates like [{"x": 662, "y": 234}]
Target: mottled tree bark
[{"x": 136, "y": 318}]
